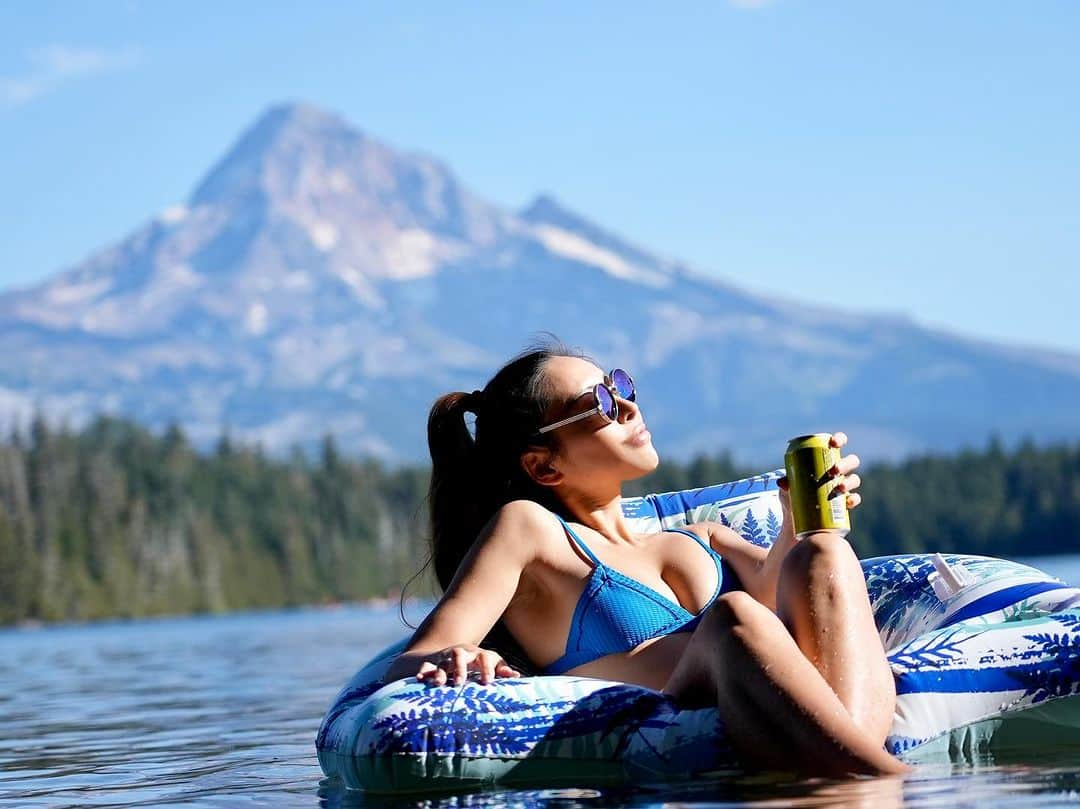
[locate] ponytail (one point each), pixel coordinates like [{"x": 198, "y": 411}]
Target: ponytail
[
  {"x": 473, "y": 477},
  {"x": 455, "y": 499}
]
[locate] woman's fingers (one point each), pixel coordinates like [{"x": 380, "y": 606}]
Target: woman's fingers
[
  {"x": 503, "y": 669},
  {"x": 427, "y": 669},
  {"x": 487, "y": 662},
  {"x": 844, "y": 469},
  {"x": 491, "y": 665},
  {"x": 845, "y": 466},
  {"x": 453, "y": 666},
  {"x": 431, "y": 673},
  {"x": 449, "y": 664},
  {"x": 849, "y": 483},
  {"x": 847, "y": 463},
  {"x": 461, "y": 659}
]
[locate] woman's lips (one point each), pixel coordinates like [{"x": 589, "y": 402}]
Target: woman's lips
[{"x": 640, "y": 436}]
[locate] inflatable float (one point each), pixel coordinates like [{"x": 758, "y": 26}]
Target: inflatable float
[{"x": 985, "y": 652}]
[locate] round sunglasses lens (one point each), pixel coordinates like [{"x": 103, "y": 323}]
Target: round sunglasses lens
[
  {"x": 607, "y": 402},
  {"x": 623, "y": 384}
]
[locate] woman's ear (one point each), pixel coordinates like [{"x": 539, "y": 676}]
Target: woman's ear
[{"x": 539, "y": 464}]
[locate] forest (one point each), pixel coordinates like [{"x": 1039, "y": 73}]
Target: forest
[{"x": 113, "y": 520}]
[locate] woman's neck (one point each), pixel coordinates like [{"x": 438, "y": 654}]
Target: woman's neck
[{"x": 602, "y": 513}]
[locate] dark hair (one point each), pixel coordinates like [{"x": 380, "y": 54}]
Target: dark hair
[{"x": 473, "y": 477}]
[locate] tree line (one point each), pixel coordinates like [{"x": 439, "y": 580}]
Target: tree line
[{"x": 115, "y": 521}]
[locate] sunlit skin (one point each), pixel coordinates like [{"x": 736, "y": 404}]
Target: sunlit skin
[{"x": 794, "y": 662}]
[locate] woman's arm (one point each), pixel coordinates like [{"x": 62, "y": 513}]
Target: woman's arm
[
  {"x": 444, "y": 647},
  {"x": 763, "y": 581},
  {"x": 758, "y": 570}
]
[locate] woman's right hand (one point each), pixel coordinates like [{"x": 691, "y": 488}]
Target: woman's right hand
[{"x": 454, "y": 663}]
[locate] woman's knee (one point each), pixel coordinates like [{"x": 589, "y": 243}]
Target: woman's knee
[
  {"x": 710, "y": 662},
  {"x": 822, "y": 551},
  {"x": 737, "y": 612}
]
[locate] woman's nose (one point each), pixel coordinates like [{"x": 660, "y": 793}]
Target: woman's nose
[{"x": 627, "y": 409}]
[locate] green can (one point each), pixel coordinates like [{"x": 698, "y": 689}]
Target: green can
[{"x": 814, "y": 507}]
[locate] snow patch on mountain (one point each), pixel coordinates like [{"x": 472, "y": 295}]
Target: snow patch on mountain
[
  {"x": 173, "y": 215},
  {"x": 413, "y": 254},
  {"x": 338, "y": 182},
  {"x": 168, "y": 282},
  {"x": 67, "y": 293},
  {"x": 362, "y": 289},
  {"x": 573, "y": 246}
]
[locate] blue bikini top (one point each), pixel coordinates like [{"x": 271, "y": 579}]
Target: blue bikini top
[{"x": 616, "y": 613}]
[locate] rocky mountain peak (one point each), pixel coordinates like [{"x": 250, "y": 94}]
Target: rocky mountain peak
[
  {"x": 294, "y": 133},
  {"x": 320, "y": 280},
  {"x": 302, "y": 164}
]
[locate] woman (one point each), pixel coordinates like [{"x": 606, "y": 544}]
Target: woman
[{"x": 533, "y": 552}]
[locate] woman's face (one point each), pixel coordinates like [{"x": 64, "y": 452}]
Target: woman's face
[{"x": 595, "y": 449}]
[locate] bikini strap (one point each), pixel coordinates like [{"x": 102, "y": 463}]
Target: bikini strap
[{"x": 580, "y": 543}]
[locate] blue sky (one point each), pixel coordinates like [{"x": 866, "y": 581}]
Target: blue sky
[{"x": 917, "y": 157}]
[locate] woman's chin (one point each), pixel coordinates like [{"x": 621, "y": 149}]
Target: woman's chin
[{"x": 645, "y": 460}]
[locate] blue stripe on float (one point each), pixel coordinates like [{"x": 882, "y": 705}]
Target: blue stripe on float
[
  {"x": 969, "y": 681},
  {"x": 668, "y": 504},
  {"x": 1000, "y": 600}
]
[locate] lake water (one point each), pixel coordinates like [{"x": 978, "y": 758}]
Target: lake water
[{"x": 222, "y": 711}]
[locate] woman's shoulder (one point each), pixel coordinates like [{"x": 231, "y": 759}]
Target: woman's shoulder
[
  {"x": 523, "y": 520},
  {"x": 525, "y": 509}
]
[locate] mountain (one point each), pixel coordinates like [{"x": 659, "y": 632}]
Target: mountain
[{"x": 318, "y": 280}]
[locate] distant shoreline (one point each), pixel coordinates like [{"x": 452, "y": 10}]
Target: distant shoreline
[{"x": 375, "y": 603}]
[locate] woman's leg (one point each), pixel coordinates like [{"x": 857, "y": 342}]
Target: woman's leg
[
  {"x": 779, "y": 710},
  {"x": 822, "y": 600}
]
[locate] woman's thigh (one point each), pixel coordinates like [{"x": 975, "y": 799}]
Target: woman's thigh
[
  {"x": 720, "y": 652},
  {"x": 778, "y": 709},
  {"x": 822, "y": 600},
  {"x": 718, "y": 662}
]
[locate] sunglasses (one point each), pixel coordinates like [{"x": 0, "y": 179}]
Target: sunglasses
[{"x": 604, "y": 403}]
